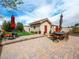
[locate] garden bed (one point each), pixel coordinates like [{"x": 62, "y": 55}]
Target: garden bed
[
  {"x": 18, "y": 35},
  {"x": 20, "y": 39}
]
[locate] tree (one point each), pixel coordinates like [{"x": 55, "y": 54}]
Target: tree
[
  {"x": 9, "y": 29},
  {"x": 4, "y": 26},
  {"x": 11, "y": 4},
  {"x": 77, "y": 24},
  {"x": 19, "y": 27}
]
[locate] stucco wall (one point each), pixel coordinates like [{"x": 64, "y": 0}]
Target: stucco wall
[
  {"x": 53, "y": 28},
  {"x": 26, "y": 28},
  {"x": 42, "y": 27},
  {"x": 36, "y": 29},
  {"x": 31, "y": 29}
]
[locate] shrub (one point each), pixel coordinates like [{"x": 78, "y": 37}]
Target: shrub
[
  {"x": 6, "y": 26},
  {"x": 75, "y": 28},
  {"x": 19, "y": 27}
]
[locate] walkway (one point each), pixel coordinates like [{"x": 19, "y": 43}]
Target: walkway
[
  {"x": 42, "y": 48},
  {"x": 21, "y": 38}
]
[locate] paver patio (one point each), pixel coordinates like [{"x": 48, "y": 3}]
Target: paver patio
[
  {"x": 21, "y": 38},
  {"x": 42, "y": 48}
]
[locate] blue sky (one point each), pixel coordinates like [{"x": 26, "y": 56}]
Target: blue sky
[{"x": 33, "y": 10}]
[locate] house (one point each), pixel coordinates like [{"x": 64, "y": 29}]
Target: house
[
  {"x": 27, "y": 28},
  {"x": 2, "y": 19},
  {"x": 53, "y": 28},
  {"x": 42, "y": 26},
  {"x": 0, "y": 27}
]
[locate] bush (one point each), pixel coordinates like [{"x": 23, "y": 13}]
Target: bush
[
  {"x": 33, "y": 32},
  {"x": 19, "y": 27},
  {"x": 75, "y": 28},
  {"x": 6, "y": 26}
]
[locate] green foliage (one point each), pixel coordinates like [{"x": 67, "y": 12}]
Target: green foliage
[
  {"x": 6, "y": 26},
  {"x": 33, "y": 32},
  {"x": 19, "y": 27},
  {"x": 23, "y": 33},
  {"x": 77, "y": 24},
  {"x": 9, "y": 29},
  {"x": 7, "y": 32},
  {"x": 11, "y": 4},
  {"x": 75, "y": 28}
]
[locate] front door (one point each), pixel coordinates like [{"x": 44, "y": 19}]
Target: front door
[{"x": 45, "y": 29}]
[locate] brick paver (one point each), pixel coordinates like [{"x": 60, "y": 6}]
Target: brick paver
[
  {"x": 21, "y": 38},
  {"x": 42, "y": 48}
]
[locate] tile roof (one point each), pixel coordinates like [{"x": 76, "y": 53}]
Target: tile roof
[{"x": 40, "y": 21}]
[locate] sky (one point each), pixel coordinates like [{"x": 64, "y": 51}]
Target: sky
[{"x": 33, "y": 10}]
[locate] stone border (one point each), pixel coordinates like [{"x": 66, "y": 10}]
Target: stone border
[{"x": 22, "y": 39}]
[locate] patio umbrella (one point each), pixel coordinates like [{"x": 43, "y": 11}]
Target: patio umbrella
[
  {"x": 13, "y": 25},
  {"x": 60, "y": 21}
]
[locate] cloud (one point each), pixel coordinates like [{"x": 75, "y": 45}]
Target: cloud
[
  {"x": 2, "y": 18},
  {"x": 71, "y": 14},
  {"x": 33, "y": 10},
  {"x": 52, "y": 10},
  {"x": 24, "y": 19},
  {"x": 42, "y": 12}
]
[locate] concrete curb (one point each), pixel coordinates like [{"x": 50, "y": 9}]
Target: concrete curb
[{"x": 23, "y": 39}]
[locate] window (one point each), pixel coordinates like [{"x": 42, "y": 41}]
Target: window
[
  {"x": 34, "y": 27},
  {"x": 29, "y": 29}
]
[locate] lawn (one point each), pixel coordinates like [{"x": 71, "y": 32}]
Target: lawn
[{"x": 24, "y": 33}]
